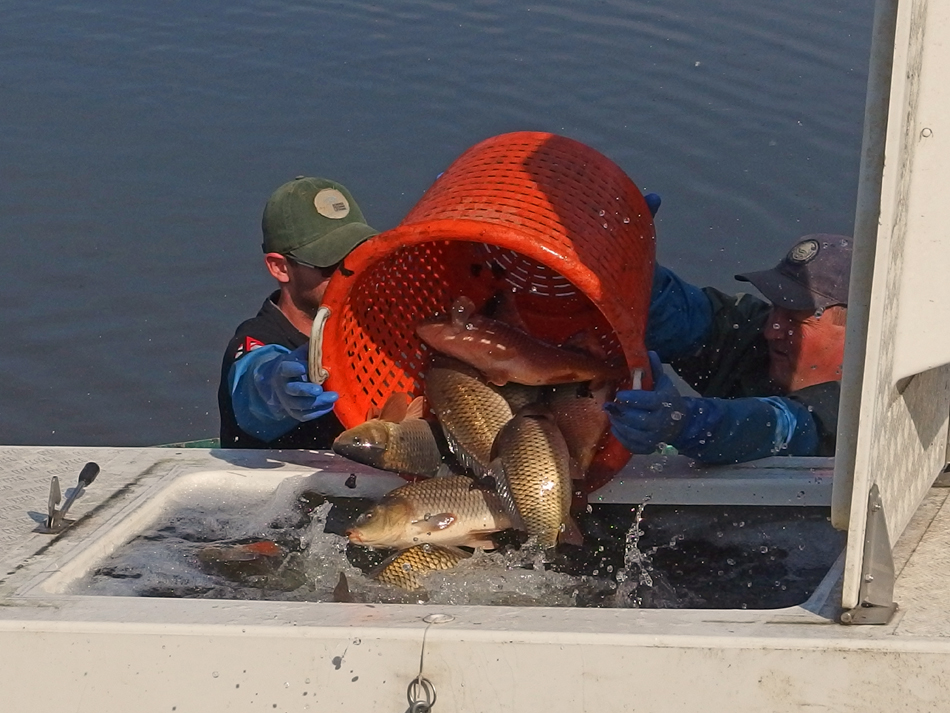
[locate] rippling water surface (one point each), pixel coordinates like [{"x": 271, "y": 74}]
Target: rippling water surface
[{"x": 138, "y": 143}]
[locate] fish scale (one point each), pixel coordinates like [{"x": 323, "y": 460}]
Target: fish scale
[
  {"x": 447, "y": 511},
  {"x": 505, "y": 353},
  {"x": 579, "y": 413},
  {"x": 407, "y": 569},
  {"x": 531, "y": 465},
  {"x": 471, "y": 414},
  {"x": 404, "y": 446}
]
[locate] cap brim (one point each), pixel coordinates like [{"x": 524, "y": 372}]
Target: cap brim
[
  {"x": 784, "y": 292},
  {"x": 329, "y": 249}
]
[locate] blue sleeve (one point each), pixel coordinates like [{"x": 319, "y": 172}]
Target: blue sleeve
[
  {"x": 680, "y": 316},
  {"x": 256, "y": 409},
  {"x": 740, "y": 430}
]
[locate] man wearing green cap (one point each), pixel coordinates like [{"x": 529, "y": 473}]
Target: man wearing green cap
[{"x": 265, "y": 400}]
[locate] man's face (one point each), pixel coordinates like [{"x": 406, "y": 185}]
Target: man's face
[
  {"x": 302, "y": 286},
  {"x": 805, "y": 348},
  {"x": 307, "y": 285}
]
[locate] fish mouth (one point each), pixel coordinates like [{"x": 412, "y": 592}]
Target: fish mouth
[
  {"x": 354, "y": 536},
  {"x": 363, "y": 452}
]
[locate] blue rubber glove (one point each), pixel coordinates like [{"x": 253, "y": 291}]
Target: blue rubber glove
[
  {"x": 710, "y": 430},
  {"x": 680, "y": 316},
  {"x": 642, "y": 420},
  {"x": 653, "y": 202},
  {"x": 270, "y": 392}
]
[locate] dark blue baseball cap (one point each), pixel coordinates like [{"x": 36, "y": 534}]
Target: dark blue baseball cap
[{"x": 813, "y": 275}]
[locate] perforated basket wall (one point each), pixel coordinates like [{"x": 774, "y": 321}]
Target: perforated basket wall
[{"x": 539, "y": 213}]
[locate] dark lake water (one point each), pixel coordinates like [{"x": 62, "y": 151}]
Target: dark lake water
[{"x": 139, "y": 142}]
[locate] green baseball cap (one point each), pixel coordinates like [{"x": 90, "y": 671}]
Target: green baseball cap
[{"x": 313, "y": 220}]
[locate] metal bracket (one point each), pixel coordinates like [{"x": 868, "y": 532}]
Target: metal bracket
[{"x": 876, "y": 594}]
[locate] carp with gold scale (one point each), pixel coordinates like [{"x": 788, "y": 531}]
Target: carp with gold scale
[
  {"x": 531, "y": 465},
  {"x": 446, "y": 511},
  {"x": 407, "y": 569},
  {"x": 579, "y": 412},
  {"x": 470, "y": 411},
  {"x": 396, "y": 439}
]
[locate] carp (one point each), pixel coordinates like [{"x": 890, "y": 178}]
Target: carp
[
  {"x": 470, "y": 412},
  {"x": 531, "y": 465},
  {"x": 407, "y": 568},
  {"x": 579, "y": 413},
  {"x": 398, "y": 439},
  {"x": 504, "y": 353},
  {"x": 449, "y": 511}
]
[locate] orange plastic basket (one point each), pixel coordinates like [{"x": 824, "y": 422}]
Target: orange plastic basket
[{"x": 537, "y": 213}]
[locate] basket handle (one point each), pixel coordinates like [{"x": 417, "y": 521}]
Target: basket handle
[
  {"x": 315, "y": 371},
  {"x": 636, "y": 378}
]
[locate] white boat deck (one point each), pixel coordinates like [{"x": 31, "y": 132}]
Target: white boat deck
[{"x": 227, "y": 655}]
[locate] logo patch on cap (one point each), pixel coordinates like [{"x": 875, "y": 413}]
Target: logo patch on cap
[
  {"x": 330, "y": 203},
  {"x": 804, "y": 252}
]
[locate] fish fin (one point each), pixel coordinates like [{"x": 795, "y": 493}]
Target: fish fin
[
  {"x": 444, "y": 471},
  {"x": 496, "y": 470},
  {"x": 395, "y": 408},
  {"x": 372, "y": 412},
  {"x": 462, "y": 309},
  {"x": 479, "y": 541},
  {"x": 507, "y": 310},
  {"x": 440, "y": 520},
  {"x": 497, "y": 377},
  {"x": 571, "y": 533},
  {"x": 460, "y": 552},
  {"x": 586, "y": 341},
  {"x": 416, "y": 408},
  {"x": 341, "y": 592},
  {"x": 575, "y": 469}
]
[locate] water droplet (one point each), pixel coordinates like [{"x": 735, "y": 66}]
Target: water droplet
[
  {"x": 214, "y": 674},
  {"x": 602, "y": 213},
  {"x": 626, "y": 220},
  {"x": 605, "y": 225},
  {"x": 764, "y": 549},
  {"x": 676, "y": 416},
  {"x": 730, "y": 561}
]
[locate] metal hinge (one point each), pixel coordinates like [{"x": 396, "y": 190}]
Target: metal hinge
[{"x": 876, "y": 594}]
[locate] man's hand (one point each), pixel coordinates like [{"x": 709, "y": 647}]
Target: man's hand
[
  {"x": 286, "y": 379},
  {"x": 642, "y": 420}
]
